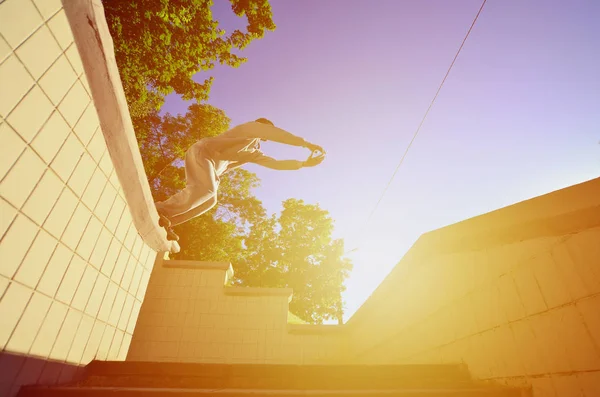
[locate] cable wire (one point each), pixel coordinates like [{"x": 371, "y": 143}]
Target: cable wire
[{"x": 422, "y": 121}]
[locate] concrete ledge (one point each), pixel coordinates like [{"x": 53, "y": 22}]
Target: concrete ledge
[
  {"x": 561, "y": 212},
  {"x": 198, "y": 265},
  {"x": 251, "y": 291},
  {"x": 557, "y": 213},
  {"x": 310, "y": 329},
  {"x": 95, "y": 45}
]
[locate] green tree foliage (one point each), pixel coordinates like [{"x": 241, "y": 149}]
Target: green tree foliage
[
  {"x": 163, "y": 150},
  {"x": 160, "y": 45},
  {"x": 167, "y": 138},
  {"x": 296, "y": 250}
]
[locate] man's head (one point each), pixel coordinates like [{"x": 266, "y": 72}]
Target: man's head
[{"x": 264, "y": 121}]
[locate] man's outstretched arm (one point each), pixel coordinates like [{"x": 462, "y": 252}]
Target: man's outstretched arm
[
  {"x": 282, "y": 165},
  {"x": 271, "y": 133},
  {"x": 274, "y": 164}
]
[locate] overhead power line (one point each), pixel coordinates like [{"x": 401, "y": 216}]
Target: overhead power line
[{"x": 422, "y": 121}]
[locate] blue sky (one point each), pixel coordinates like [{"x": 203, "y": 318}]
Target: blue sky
[{"x": 519, "y": 115}]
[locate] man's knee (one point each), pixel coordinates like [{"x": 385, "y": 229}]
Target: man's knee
[{"x": 212, "y": 201}]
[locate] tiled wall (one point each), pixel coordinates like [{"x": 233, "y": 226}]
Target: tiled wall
[
  {"x": 525, "y": 313},
  {"x": 189, "y": 316},
  {"x": 73, "y": 269}
]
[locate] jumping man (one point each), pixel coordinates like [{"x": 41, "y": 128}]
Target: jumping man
[{"x": 209, "y": 158}]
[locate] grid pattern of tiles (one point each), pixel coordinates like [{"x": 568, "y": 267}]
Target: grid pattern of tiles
[
  {"x": 188, "y": 316},
  {"x": 73, "y": 269},
  {"x": 524, "y": 313}
]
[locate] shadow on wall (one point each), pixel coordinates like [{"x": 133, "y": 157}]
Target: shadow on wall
[{"x": 17, "y": 370}]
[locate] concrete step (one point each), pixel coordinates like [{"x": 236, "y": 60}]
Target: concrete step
[
  {"x": 184, "y": 392},
  {"x": 272, "y": 383},
  {"x": 107, "y": 368},
  {"x": 130, "y": 378},
  {"x": 253, "y": 376}
]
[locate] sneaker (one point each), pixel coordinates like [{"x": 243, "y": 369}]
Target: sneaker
[
  {"x": 171, "y": 236},
  {"x": 163, "y": 221}
]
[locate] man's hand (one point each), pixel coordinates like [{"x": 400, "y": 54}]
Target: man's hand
[
  {"x": 313, "y": 148},
  {"x": 313, "y": 161}
]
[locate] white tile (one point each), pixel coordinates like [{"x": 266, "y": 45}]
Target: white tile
[
  {"x": 37, "y": 258},
  {"x": 70, "y": 281},
  {"x": 61, "y": 213},
  {"x": 59, "y": 25},
  {"x": 126, "y": 313},
  {"x": 29, "y": 324},
  {"x": 30, "y": 115},
  {"x": 7, "y": 215},
  {"x": 137, "y": 277},
  {"x": 76, "y": 226},
  {"x": 120, "y": 265},
  {"x": 39, "y": 52},
  {"x": 128, "y": 273},
  {"x": 15, "y": 82},
  {"x": 89, "y": 238},
  {"x": 105, "y": 343},
  {"x": 47, "y": 7},
  {"x": 66, "y": 335},
  {"x": 148, "y": 255},
  {"x": 93, "y": 343},
  {"x": 54, "y": 272},
  {"x": 137, "y": 247},
  {"x": 84, "y": 290},
  {"x": 49, "y": 330},
  {"x": 134, "y": 316},
  {"x": 141, "y": 292},
  {"x": 124, "y": 349},
  {"x": 43, "y": 198},
  {"x": 108, "y": 301},
  {"x": 15, "y": 245},
  {"x": 51, "y": 137},
  {"x": 82, "y": 174},
  {"x": 87, "y": 124},
  {"x": 18, "y": 20},
  {"x": 80, "y": 340},
  {"x": 100, "y": 249},
  {"x": 97, "y": 145},
  {"x": 110, "y": 258},
  {"x": 12, "y": 306},
  {"x": 106, "y": 164},
  {"x": 115, "y": 214},
  {"x": 94, "y": 189},
  {"x": 11, "y": 148},
  {"x": 73, "y": 105},
  {"x": 114, "y": 179},
  {"x": 4, "y": 49},
  {"x": 22, "y": 178},
  {"x": 4, "y": 282},
  {"x": 67, "y": 157},
  {"x": 86, "y": 85},
  {"x": 115, "y": 346},
  {"x": 117, "y": 308},
  {"x": 124, "y": 226},
  {"x": 75, "y": 59},
  {"x": 58, "y": 79},
  {"x": 98, "y": 292},
  {"x": 105, "y": 203}
]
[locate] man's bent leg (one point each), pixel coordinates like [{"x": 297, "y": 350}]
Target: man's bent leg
[
  {"x": 185, "y": 200},
  {"x": 199, "y": 210},
  {"x": 201, "y": 186}
]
